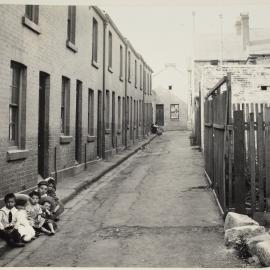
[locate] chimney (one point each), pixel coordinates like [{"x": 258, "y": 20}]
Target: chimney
[
  {"x": 245, "y": 29},
  {"x": 238, "y": 27}
]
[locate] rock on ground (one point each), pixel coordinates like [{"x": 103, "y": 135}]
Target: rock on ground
[
  {"x": 253, "y": 241},
  {"x": 263, "y": 252},
  {"x": 237, "y": 220},
  {"x": 232, "y": 235}
]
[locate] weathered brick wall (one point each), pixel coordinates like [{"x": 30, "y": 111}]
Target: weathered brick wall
[
  {"x": 246, "y": 83},
  {"x": 48, "y": 53}
]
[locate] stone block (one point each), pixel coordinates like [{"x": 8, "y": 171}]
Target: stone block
[
  {"x": 263, "y": 252},
  {"x": 233, "y": 234},
  {"x": 237, "y": 220},
  {"x": 253, "y": 241}
]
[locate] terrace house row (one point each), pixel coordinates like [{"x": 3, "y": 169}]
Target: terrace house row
[{"x": 73, "y": 91}]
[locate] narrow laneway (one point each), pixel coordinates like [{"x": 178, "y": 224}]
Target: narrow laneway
[{"x": 155, "y": 210}]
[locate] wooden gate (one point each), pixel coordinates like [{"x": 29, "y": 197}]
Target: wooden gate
[{"x": 217, "y": 117}]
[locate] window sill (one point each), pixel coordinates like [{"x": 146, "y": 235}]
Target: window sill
[
  {"x": 64, "y": 139},
  {"x": 91, "y": 138},
  {"x": 71, "y": 46},
  {"x": 95, "y": 64},
  {"x": 107, "y": 131},
  {"x": 16, "y": 154},
  {"x": 31, "y": 25},
  {"x": 119, "y": 131},
  {"x": 110, "y": 69},
  {"x": 121, "y": 79}
]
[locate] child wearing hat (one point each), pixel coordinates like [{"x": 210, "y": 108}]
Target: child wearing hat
[
  {"x": 8, "y": 232},
  {"x": 22, "y": 223},
  {"x": 42, "y": 188}
]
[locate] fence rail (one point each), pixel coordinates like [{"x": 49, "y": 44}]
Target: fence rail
[{"x": 237, "y": 151}]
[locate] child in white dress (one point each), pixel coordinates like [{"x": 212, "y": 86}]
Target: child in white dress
[{"x": 22, "y": 223}]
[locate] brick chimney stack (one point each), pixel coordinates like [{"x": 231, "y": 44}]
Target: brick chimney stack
[
  {"x": 238, "y": 27},
  {"x": 245, "y": 29}
]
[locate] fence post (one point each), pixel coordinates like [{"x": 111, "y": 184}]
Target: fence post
[
  {"x": 267, "y": 156},
  {"x": 239, "y": 161},
  {"x": 260, "y": 146},
  {"x": 252, "y": 156}
]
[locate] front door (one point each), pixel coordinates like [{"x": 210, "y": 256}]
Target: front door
[
  {"x": 160, "y": 114},
  {"x": 78, "y": 138},
  {"x": 113, "y": 119},
  {"x": 43, "y": 124},
  {"x": 99, "y": 125}
]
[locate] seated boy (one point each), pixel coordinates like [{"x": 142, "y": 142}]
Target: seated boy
[{"x": 7, "y": 221}]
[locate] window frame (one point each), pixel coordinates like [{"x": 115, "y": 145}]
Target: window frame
[
  {"x": 32, "y": 13},
  {"x": 174, "y": 118},
  {"x": 18, "y": 141},
  {"x": 95, "y": 42},
  {"x": 121, "y": 63},
  {"x": 91, "y": 110},
  {"x": 71, "y": 29},
  {"x": 110, "y": 51},
  {"x": 65, "y": 107}
]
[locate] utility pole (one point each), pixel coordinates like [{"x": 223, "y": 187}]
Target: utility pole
[{"x": 221, "y": 38}]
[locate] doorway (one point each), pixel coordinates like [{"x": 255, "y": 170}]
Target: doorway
[
  {"x": 78, "y": 125},
  {"x": 99, "y": 125},
  {"x": 43, "y": 125},
  {"x": 160, "y": 114},
  {"x": 113, "y": 119}
]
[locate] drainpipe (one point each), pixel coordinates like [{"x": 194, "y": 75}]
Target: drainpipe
[
  {"x": 125, "y": 106},
  {"x": 104, "y": 87}
]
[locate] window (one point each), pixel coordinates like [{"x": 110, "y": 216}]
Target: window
[
  {"x": 95, "y": 42},
  {"x": 265, "y": 87},
  {"x": 65, "y": 102},
  {"x": 135, "y": 73},
  {"x": 119, "y": 113},
  {"x": 121, "y": 63},
  {"x": 141, "y": 77},
  {"x": 174, "y": 111},
  {"x": 17, "y": 105},
  {"x": 32, "y": 13},
  {"x": 91, "y": 112},
  {"x": 129, "y": 67},
  {"x": 71, "y": 24},
  {"x": 170, "y": 87},
  {"x": 110, "y": 50},
  {"x": 107, "y": 119}
]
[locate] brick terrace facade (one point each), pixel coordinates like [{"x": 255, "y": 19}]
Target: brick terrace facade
[{"x": 48, "y": 59}]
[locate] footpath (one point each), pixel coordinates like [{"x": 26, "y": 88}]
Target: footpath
[{"x": 69, "y": 187}]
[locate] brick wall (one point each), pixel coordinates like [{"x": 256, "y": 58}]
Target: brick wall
[
  {"x": 47, "y": 52},
  {"x": 246, "y": 83}
]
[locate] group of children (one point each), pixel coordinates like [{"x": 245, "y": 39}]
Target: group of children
[{"x": 24, "y": 218}]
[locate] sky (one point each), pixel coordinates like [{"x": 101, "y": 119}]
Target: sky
[{"x": 164, "y": 33}]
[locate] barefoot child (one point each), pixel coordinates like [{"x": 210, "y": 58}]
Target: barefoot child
[
  {"x": 7, "y": 222},
  {"x": 49, "y": 224}
]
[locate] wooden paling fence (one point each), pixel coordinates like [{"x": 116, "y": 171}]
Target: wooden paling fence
[{"x": 237, "y": 151}]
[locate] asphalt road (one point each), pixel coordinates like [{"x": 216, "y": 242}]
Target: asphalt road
[{"x": 154, "y": 210}]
